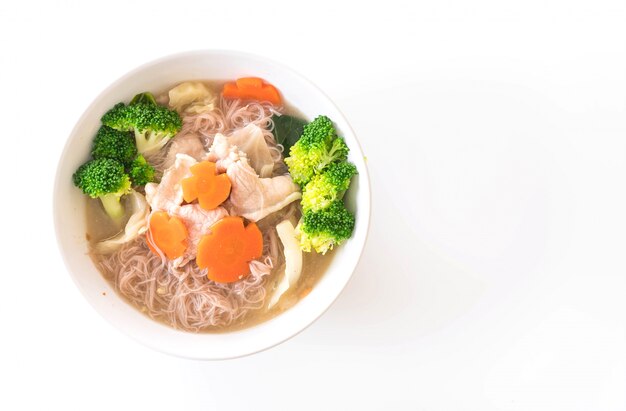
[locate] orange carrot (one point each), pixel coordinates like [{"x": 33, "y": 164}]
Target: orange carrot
[
  {"x": 169, "y": 234},
  {"x": 252, "y": 88},
  {"x": 230, "y": 90},
  {"x": 209, "y": 188},
  {"x": 227, "y": 251},
  {"x": 249, "y": 82}
]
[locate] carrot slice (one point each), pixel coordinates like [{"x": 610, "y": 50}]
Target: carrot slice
[
  {"x": 169, "y": 234},
  {"x": 230, "y": 90},
  {"x": 209, "y": 188},
  {"x": 251, "y": 88},
  {"x": 249, "y": 82},
  {"x": 227, "y": 251}
]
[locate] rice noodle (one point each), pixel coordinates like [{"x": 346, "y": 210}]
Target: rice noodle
[{"x": 184, "y": 297}]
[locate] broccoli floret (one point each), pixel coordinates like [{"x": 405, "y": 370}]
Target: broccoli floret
[
  {"x": 105, "y": 179},
  {"x": 325, "y": 228},
  {"x": 141, "y": 173},
  {"x": 115, "y": 144},
  {"x": 152, "y": 124},
  {"x": 327, "y": 187},
  {"x": 318, "y": 146}
]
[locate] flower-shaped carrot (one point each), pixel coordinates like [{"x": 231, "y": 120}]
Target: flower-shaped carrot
[
  {"x": 169, "y": 234},
  {"x": 252, "y": 88},
  {"x": 227, "y": 251},
  {"x": 209, "y": 188}
]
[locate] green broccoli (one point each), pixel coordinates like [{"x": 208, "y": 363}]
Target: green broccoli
[
  {"x": 105, "y": 179},
  {"x": 115, "y": 144},
  {"x": 143, "y": 98},
  {"x": 318, "y": 146},
  {"x": 152, "y": 124},
  {"x": 325, "y": 228},
  {"x": 327, "y": 187},
  {"x": 141, "y": 173}
]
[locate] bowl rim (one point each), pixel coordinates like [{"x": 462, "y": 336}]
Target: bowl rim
[{"x": 364, "y": 209}]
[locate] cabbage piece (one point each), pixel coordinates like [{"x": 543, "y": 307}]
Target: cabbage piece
[
  {"x": 293, "y": 260},
  {"x": 192, "y": 97},
  {"x": 135, "y": 226},
  {"x": 251, "y": 141}
]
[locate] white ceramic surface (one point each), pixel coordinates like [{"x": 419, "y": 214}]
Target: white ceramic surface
[{"x": 69, "y": 213}]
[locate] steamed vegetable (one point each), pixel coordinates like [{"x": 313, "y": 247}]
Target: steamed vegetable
[
  {"x": 168, "y": 233},
  {"x": 328, "y": 186},
  {"x": 205, "y": 185},
  {"x": 104, "y": 179},
  {"x": 318, "y": 147},
  {"x": 115, "y": 144},
  {"x": 318, "y": 163},
  {"x": 143, "y": 98},
  {"x": 251, "y": 88},
  {"x": 192, "y": 97},
  {"x": 152, "y": 124},
  {"x": 141, "y": 173},
  {"x": 293, "y": 260},
  {"x": 228, "y": 249},
  {"x": 135, "y": 226},
  {"x": 287, "y": 130},
  {"x": 326, "y": 228}
]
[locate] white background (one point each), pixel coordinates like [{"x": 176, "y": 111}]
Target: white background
[{"x": 494, "y": 277}]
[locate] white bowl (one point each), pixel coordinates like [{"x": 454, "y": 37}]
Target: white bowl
[{"x": 69, "y": 207}]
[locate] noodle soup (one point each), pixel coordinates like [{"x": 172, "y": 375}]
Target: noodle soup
[{"x": 177, "y": 251}]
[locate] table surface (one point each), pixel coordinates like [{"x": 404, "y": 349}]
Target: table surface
[{"x": 494, "y": 275}]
